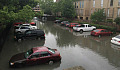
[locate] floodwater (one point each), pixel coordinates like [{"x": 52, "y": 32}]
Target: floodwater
[{"x": 92, "y": 53}]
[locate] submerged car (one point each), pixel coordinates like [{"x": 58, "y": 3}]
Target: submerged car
[
  {"x": 73, "y": 24},
  {"x": 36, "y": 55},
  {"x": 116, "y": 40},
  {"x": 101, "y": 32},
  {"x": 65, "y": 23},
  {"x": 30, "y": 34},
  {"x": 57, "y": 21}
]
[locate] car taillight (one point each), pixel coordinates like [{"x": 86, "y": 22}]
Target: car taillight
[
  {"x": 118, "y": 41},
  {"x": 44, "y": 34}
]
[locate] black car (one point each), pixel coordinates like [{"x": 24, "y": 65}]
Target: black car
[
  {"x": 30, "y": 34},
  {"x": 65, "y": 23},
  {"x": 57, "y": 21}
]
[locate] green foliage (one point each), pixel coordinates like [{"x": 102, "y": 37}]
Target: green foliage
[
  {"x": 98, "y": 16},
  {"x": 67, "y": 8},
  {"x": 46, "y": 6},
  {"x": 110, "y": 20},
  {"x": 117, "y": 20},
  {"x": 39, "y": 14},
  {"x": 105, "y": 27},
  {"x": 26, "y": 14}
]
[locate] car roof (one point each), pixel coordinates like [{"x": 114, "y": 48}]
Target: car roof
[
  {"x": 32, "y": 23},
  {"x": 40, "y": 49}
]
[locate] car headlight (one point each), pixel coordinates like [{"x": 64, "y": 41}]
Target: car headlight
[{"x": 11, "y": 63}]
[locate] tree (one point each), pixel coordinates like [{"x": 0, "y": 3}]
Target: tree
[
  {"x": 68, "y": 9},
  {"x": 117, "y": 20},
  {"x": 26, "y": 14},
  {"x": 98, "y": 16}
]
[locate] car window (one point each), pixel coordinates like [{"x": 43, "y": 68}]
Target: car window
[
  {"x": 118, "y": 36},
  {"x": 28, "y": 32},
  {"x": 33, "y": 32},
  {"x": 51, "y": 50},
  {"x": 89, "y": 25},
  {"x": 35, "y": 55},
  {"x": 28, "y": 53},
  {"x": 102, "y": 31},
  {"x": 82, "y": 26},
  {"x": 44, "y": 54},
  {"x": 96, "y": 30}
]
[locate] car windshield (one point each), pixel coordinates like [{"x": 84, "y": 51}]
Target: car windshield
[
  {"x": 28, "y": 53},
  {"x": 51, "y": 50},
  {"x": 96, "y": 30},
  {"x": 118, "y": 36}
]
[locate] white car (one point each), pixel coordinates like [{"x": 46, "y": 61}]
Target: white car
[
  {"x": 22, "y": 29},
  {"x": 116, "y": 40},
  {"x": 84, "y": 27},
  {"x": 29, "y": 25},
  {"x": 33, "y": 25}
]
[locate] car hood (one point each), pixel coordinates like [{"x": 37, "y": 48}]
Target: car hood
[{"x": 17, "y": 57}]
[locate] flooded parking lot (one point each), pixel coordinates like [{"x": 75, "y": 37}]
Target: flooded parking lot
[{"x": 76, "y": 49}]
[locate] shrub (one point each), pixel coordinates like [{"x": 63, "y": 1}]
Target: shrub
[{"x": 117, "y": 20}]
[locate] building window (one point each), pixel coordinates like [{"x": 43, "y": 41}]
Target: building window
[
  {"x": 118, "y": 12},
  {"x": 111, "y": 2},
  {"x": 82, "y": 4},
  {"x": 77, "y": 4},
  {"x": 91, "y": 11},
  {"x": 102, "y": 3},
  {"x": 119, "y": 3},
  {"x": 81, "y": 12},
  {"x": 93, "y": 3},
  {"x": 108, "y": 13}
]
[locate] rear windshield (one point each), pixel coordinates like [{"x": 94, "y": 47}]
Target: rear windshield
[
  {"x": 118, "y": 36},
  {"x": 51, "y": 50},
  {"x": 33, "y": 24},
  {"x": 96, "y": 30}
]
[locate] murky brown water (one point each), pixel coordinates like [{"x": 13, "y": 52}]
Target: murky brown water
[{"x": 92, "y": 53}]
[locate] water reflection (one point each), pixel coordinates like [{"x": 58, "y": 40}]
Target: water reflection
[{"x": 66, "y": 37}]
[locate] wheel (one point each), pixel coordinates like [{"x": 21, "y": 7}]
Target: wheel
[
  {"x": 81, "y": 31},
  {"x": 51, "y": 62},
  {"x": 93, "y": 29},
  {"x": 19, "y": 40},
  {"x": 19, "y": 32},
  {"x": 110, "y": 34},
  {"x": 99, "y": 35},
  {"x": 38, "y": 38}
]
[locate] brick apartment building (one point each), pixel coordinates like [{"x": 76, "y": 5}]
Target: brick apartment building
[{"x": 84, "y": 8}]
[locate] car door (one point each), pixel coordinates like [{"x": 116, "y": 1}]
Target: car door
[
  {"x": 90, "y": 28},
  {"x": 45, "y": 57},
  {"x": 28, "y": 34},
  {"x": 23, "y": 29},
  {"x": 33, "y": 34},
  {"x": 103, "y": 32},
  {"x": 33, "y": 59}
]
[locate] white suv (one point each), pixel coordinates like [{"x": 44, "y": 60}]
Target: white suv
[
  {"x": 22, "y": 29},
  {"x": 30, "y": 25}
]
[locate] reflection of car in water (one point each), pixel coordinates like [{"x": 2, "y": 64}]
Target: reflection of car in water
[
  {"x": 81, "y": 34},
  {"x": 116, "y": 47}
]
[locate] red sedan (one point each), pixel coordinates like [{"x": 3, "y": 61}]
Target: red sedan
[
  {"x": 18, "y": 23},
  {"x": 101, "y": 32},
  {"x": 73, "y": 24},
  {"x": 36, "y": 55}
]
